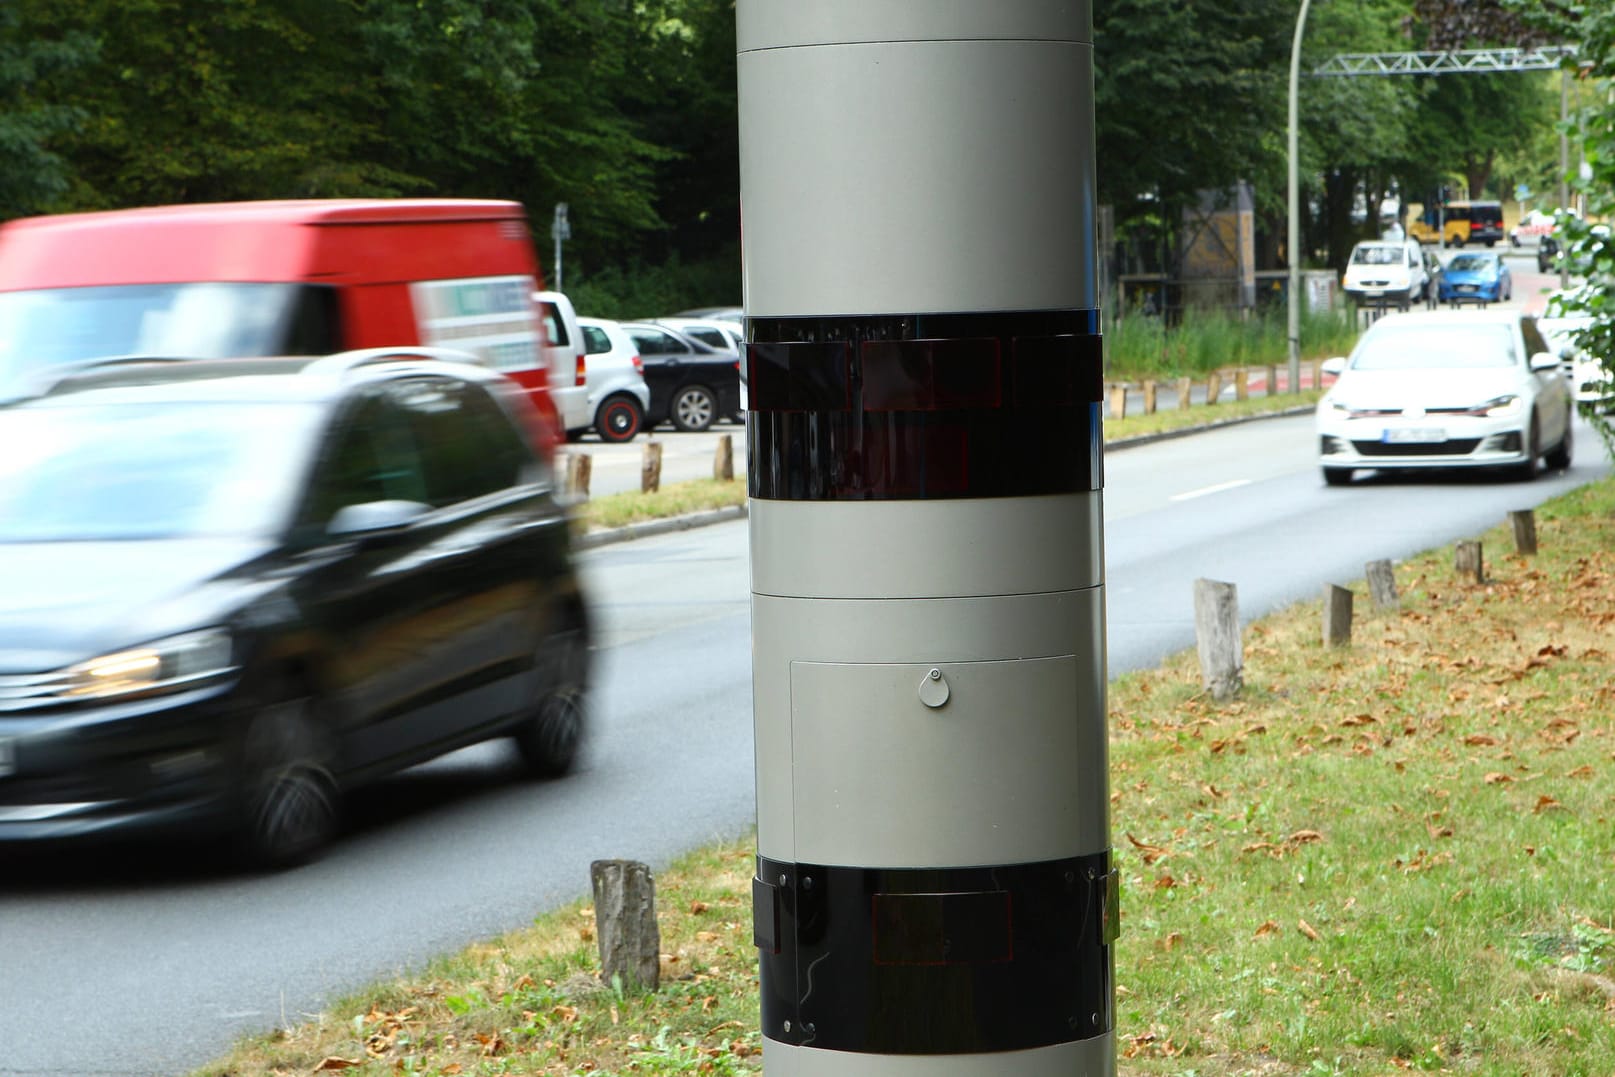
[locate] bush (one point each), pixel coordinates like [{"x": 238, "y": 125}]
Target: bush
[{"x": 639, "y": 291}]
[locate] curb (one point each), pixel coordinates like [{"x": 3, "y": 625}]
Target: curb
[
  {"x": 612, "y": 535},
  {"x": 608, "y": 536}
]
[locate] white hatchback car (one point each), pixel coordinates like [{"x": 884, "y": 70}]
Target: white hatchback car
[
  {"x": 618, "y": 395},
  {"x": 1441, "y": 389}
]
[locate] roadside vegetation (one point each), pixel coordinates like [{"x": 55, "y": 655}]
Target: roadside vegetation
[
  {"x": 1389, "y": 856},
  {"x": 1142, "y": 347}
]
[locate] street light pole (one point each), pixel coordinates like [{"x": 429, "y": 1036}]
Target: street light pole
[{"x": 1293, "y": 249}]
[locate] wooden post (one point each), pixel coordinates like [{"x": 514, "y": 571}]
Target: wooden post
[
  {"x": 1216, "y": 630},
  {"x": 579, "y": 465},
  {"x": 723, "y": 461},
  {"x": 1382, "y": 585},
  {"x": 1118, "y": 400},
  {"x": 1184, "y": 385},
  {"x": 1272, "y": 380},
  {"x": 625, "y": 923},
  {"x": 1336, "y": 616},
  {"x": 650, "y": 468},
  {"x": 1469, "y": 563},
  {"x": 1242, "y": 384},
  {"x": 1213, "y": 386},
  {"x": 1524, "y": 523},
  {"x": 1150, "y": 390},
  {"x": 1317, "y": 373}
]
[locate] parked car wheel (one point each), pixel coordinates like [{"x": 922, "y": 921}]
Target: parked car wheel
[
  {"x": 694, "y": 408},
  {"x": 619, "y": 419},
  {"x": 1337, "y": 476},
  {"x": 1559, "y": 457},
  {"x": 549, "y": 740},
  {"x": 291, "y": 797}
]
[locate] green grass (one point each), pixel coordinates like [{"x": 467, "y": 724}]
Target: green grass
[{"x": 1139, "y": 347}]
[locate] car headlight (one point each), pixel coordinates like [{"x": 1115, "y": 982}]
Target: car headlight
[
  {"x": 167, "y": 664},
  {"x": 1335, "y": 408},
  {"x": 1502, "y": 407}
]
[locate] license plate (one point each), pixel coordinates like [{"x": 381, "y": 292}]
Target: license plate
[
  {"x": 1373, "y": 291},
  {"x": 8, "y": 757},
  {"x": 1468, "y": 288},
  {"x": 1413, "y": 435}
]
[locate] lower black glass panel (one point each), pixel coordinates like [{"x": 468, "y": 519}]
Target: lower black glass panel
[{"x": 935, "y": 961}]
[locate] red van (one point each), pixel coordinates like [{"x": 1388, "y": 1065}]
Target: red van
[{"x": 275, "y": 278}]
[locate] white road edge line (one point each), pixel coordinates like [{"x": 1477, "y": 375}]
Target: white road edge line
[{"x": 1204, "y": 490}]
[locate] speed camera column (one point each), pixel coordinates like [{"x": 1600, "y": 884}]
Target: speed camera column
[{"x": 934, "y": 892}]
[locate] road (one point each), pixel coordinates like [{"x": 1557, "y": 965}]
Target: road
[{"x": 149, "y": 960}]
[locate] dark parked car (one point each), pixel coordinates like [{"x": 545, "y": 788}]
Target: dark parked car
[
  {"x": 232, "y": 589},
  {"x": 691, "y": 385}
]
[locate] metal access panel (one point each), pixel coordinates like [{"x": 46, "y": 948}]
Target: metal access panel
[{"x": 948, "y": 763}]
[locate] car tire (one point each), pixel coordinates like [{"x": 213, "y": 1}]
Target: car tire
[
  {"x": 618, "y": 419},
  {"x": 694, "y": 409},
  {"x": 1559, "y": 457},
  {"x": 1526, "y": 470},
  {"x": 1337, "y": 476},
  {"x": 551, "y": 736},
  {"x": 291, "y": 801}
]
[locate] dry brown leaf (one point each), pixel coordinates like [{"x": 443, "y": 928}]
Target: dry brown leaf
[
  {"x": 1497, "y": 778},
  {"x": 1480, "y": 740},
  {"x": 1583, "y": 771},
  {"x": 1544, "y": 803},
  {"x": 1152, "y": 853},
  {"x": 1308, "y": 930},
  {"x": 1358, "y": 719},
  {"x": 1305, "y": 837},
  {"x": 698, "y": 907},
  {"x": 1268, "y": 927},
  {"x": 331, "y": 1062}
]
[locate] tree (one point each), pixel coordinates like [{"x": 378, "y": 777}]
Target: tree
[
  {"x": 32, "y": 175},
  {"x": 1592, "y": 27}
]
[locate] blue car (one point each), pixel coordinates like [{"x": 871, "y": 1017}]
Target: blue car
[{"x": 1479, "y": 277}]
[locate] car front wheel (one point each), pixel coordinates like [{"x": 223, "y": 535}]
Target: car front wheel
[
  {"x": 694, "y": 409},
  {"x": 552, "y": 734},
  {"x": 1337, "y": 476},
  {"x": 290, "y": 809},
  {"x": 1525, "y": 471},
  {"x": 1559, "y": 457}
]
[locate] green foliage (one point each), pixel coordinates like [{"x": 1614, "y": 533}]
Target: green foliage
[
  {"x": 32, "y": 174},
  {"x": 638, "y": 290},
  {"x": 1142, "y": 347},
  {"x": 1593, "y": 26}
]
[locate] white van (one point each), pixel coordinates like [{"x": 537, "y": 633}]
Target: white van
[
  {"x": 564, "y": 357},
  {"x": 1387, "y": 272}
]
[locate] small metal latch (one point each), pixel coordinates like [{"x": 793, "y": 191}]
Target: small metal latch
[{"x": 934, "y": 689}]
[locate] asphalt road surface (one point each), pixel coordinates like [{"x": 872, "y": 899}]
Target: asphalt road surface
[{"x": 151, "y": 960}]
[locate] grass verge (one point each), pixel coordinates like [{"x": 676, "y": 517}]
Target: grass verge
[{"x": 1391, "y": 856}]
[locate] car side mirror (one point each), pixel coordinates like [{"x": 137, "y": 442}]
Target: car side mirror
[
  {"x": 1335, "y": 365},
  {"x": 373, "y": 518},
  {"x": 1544, "y": 361}
]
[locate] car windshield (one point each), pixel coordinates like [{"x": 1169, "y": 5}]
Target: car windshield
[
  {"x": 51, "y": 326},
  {"x": 1472, "y": 263},
  {"x": 1446, "y": 346},
  {"x": 148, "y": 471},
  {"x": 1376, "y": 256}
]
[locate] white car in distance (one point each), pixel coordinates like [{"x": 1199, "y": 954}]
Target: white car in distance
[{"x": 1446, "y": 389}]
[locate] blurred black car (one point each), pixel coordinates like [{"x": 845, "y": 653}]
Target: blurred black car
[
  {"x": 691, "y": 384},
  {"x": 231, "y": 589}
]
